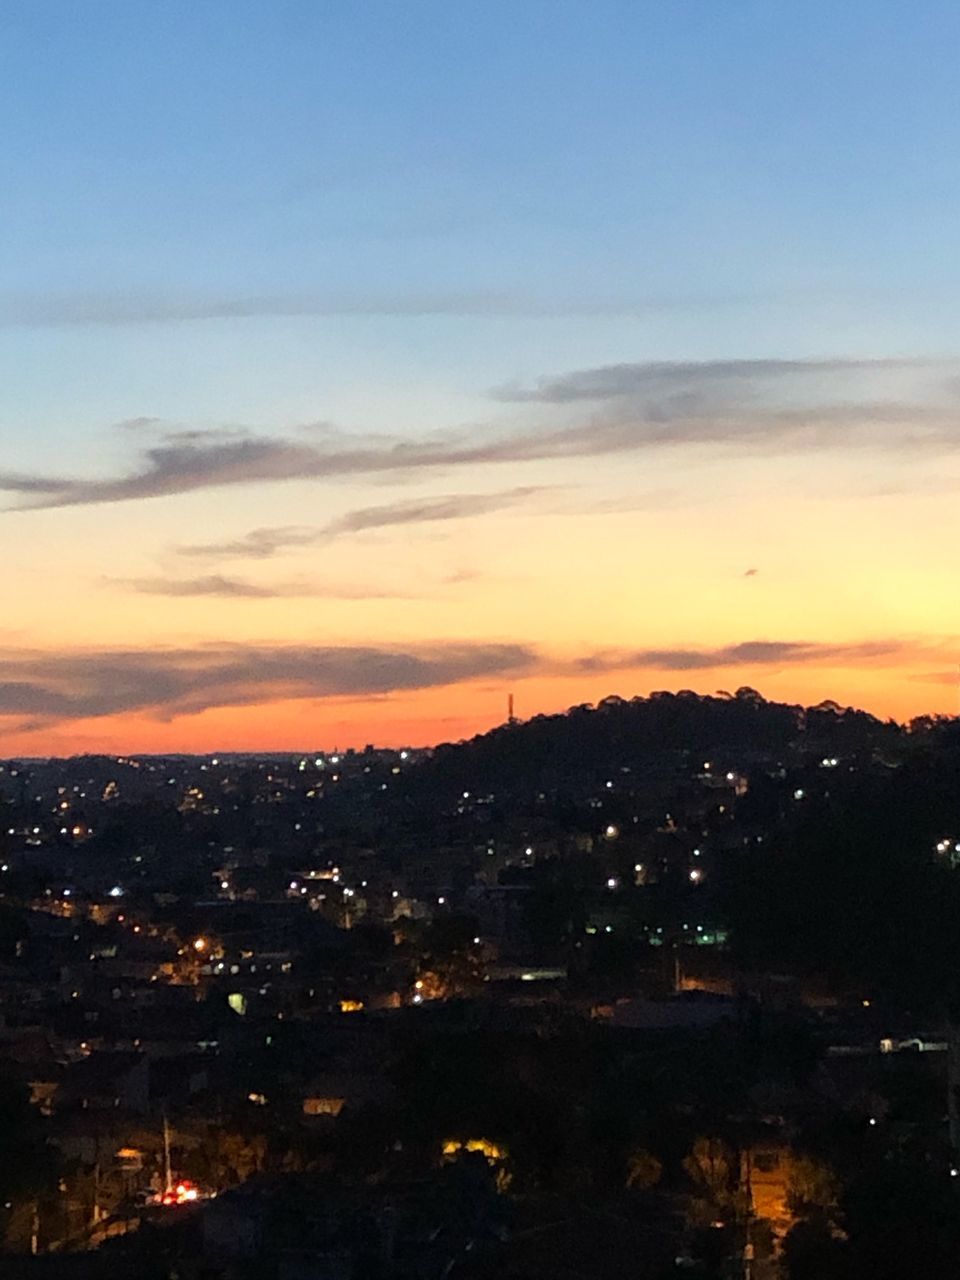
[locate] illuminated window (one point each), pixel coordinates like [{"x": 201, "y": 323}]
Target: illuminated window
[{"x": 323, "y": 1106}]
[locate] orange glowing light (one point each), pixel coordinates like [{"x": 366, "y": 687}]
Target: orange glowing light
[{"x": 183, "y": 1192}]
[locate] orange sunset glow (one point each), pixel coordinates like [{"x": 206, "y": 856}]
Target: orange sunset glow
[{"x": 412, "y": 608}]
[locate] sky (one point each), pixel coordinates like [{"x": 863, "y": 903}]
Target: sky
[{"x": 362, "y": 364}]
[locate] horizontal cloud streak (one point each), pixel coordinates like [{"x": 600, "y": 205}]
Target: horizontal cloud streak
[
  {"x": 260, "y": 544},
  {"x": 221, "y": 587},
  {"x": 211, "y": 585},
  {"x": 53, "y": 687},
  {"x": 428, "y": 510},
  {"x": 151, "y": 307},
  {"x": 749, "y": 653},
  {"x": 617, "y": 380}
]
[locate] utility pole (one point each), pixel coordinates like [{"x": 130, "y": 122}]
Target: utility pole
[
  {"x": 746, "y": 1176},
  {"x": 167, "y": 1175},
  {"x": 953, "y": 1088}
]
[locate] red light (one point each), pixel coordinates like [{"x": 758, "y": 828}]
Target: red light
[{"x": 181, "y": 1193}]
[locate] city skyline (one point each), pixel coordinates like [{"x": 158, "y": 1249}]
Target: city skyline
[{"x": 363, "y": 366}]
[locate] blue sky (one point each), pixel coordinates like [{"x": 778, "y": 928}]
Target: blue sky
[
  {"x": 698, "y": 177},
  {"x": 389, "y": 154}
]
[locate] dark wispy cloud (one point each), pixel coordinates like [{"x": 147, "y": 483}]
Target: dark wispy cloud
[
  {"x": 138, "y": 307},
  {"x": 261, "y": 544},
  {"x": 751, "y": 406},
  {"x": 750, "y": 653},
  {"x": 222, "y": 587},
  {"x": 258, "y": 544},
  {"x": 177, "y": 466},
  {"x": 14, "y": 482},
  {"x": 759, "y": 405},
  {"x": 181, "y": 465},
  {"x": 456, "y": 506},
  {"x": 213, "y": 584},
  {"x": 45, "y": 688},
  {"x": 615, "y": 381}
]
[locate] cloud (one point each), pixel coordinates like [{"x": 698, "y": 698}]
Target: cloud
[
  {"x": 759, "y": 405},
  {"x": 748, "y": 653},
  {"x": 14, "y": 482},
  {"x": 179, "y": 465},
  {"x": 183, "y": 465},
  {"x": 210, "y": 585},
  {"x": 51, "y": 687},
  {"x": 752, "y": 405},
  {"x": 222, "y": 587},
  {"x": 261, "y": 544},
  {"x": 420, "y": 511},
  {"x": 688, "y": 376},
  {"x": 139, "y": 307}
]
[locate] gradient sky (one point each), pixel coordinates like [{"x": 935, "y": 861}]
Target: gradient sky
[{"x": 360, "y": 363}]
